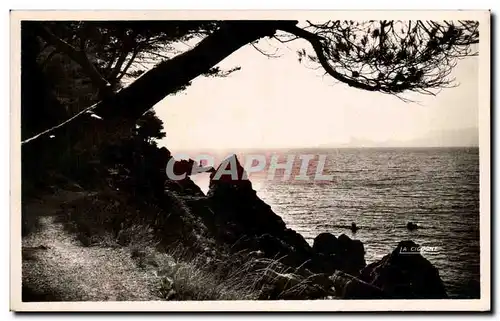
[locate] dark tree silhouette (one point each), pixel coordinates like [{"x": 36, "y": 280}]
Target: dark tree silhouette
[
  {"x": 385, "y": 56},
  {"x": 390, "y": 56},
  {"x": 108, "y": 51},
  {"x": 150, "y": 127}
]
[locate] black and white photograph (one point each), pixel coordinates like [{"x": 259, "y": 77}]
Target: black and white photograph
[{"x": 319, "y": 161}]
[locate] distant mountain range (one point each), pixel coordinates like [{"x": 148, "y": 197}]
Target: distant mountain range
[{"x": 467, "y": 137}]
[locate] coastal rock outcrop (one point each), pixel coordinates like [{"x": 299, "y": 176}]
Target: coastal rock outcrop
[
  {"x": 326, "y": 243},
  {"x": 405, "y": 273},
  {"x": 235, "y": 216},
  {"x": 248, "y": 222},
  {"x": 352, "y": 253}
]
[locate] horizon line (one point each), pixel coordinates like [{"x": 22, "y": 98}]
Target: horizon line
[{"x": 320, "y": 147}]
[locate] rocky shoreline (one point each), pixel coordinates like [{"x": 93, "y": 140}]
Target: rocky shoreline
[
  {"x": 234, "y": 234},
  {"x": 238, "y": 218}
]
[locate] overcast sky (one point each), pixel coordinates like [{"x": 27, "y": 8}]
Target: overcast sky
[{"x": 279, "y": 102}]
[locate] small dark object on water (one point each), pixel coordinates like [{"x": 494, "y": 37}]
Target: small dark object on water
[
  {"x": 411, "y": 226},
  {"x": 354, "y": 228}
]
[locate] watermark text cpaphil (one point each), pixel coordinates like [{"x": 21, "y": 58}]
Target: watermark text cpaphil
[{"x": 303, "y": 167}]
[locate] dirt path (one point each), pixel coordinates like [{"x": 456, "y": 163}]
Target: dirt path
[{"x": 57, "y": 267}]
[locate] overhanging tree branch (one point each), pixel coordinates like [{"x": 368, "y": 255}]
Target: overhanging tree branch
[
  {"x": 129, "y": 63},
  {"x": 315, "y": 41},
  {"x": 390, "y": 56},
  {"x": 128, "y": 46},
  {"x": 132, "y": 102},
  {"x": 118, "y": 66},
  {"x": 373, "y": 56}
]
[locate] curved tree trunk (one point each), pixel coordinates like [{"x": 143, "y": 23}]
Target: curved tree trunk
[
  {"x": 81, "y": 137},
  {"x": 120, "y": 111}
]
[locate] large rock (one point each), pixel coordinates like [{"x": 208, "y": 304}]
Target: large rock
[
  {"x": 352, "y": 254},
  {"x": 243, "y": 218},
  {"x": 405, "y": 273},
  {"x": 338, "y": 254},
  {"x": 326, "y": 243},
  {"x": 288, "y": 248},
  {"x": 230, "y": 178}
]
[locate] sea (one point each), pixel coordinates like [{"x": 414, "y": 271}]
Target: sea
[{"x": 380, "y": 190}]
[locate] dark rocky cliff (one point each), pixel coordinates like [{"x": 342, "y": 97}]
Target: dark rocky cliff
[
  {"x": 231, "y": 219},
  {"x": 235, "y": 216}
]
